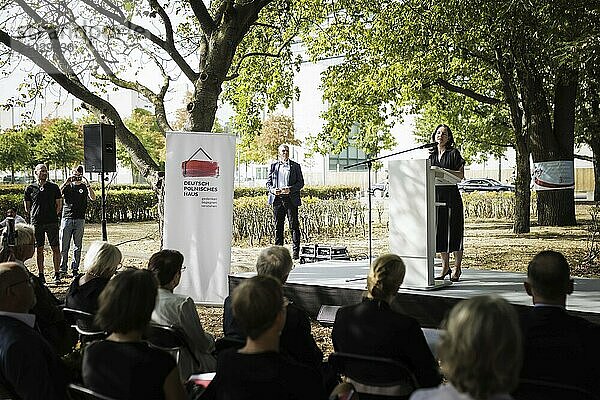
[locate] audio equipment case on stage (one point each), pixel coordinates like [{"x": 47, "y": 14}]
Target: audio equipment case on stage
[{"x": 320, "y": 252}]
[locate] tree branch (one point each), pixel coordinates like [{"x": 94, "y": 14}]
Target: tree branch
[
  {"x": 139, "y": 154},
  {"x": 165, "y": 45},
  {"x": 255, "y": 54},
  {"x": 467, "y": 92},
  {"x": 52, "y": 35},
  {"x": 204, "y": 19}
]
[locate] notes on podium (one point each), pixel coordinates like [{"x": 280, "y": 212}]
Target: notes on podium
[{"x": 444, "y": 176}]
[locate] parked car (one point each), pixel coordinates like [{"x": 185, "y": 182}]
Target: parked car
[{"x": 485, "y": 185}]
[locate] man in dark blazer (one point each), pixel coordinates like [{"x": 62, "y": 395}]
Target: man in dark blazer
[
  {"x": 284, "y": 184},
  {"x": 558, "y": 347},
  {"x": 29, "y": 368}
]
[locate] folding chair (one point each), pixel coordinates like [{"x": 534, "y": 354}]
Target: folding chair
[
  {"x": 375, "y": 377},
  {"x": 76, "y": 392},
  {"x": 83, "y": 323},
  {"x": 536, "y": 389},
  {"x": 168, "y": 338}
]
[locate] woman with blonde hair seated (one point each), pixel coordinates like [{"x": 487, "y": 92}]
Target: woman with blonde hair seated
[
  {"x": 480, "y": 352},
  {"x": 100, "y": 264},
  {"x": 373, "y": 328}
]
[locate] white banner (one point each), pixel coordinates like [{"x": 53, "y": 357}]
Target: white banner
[
  {"x": 199, "y": 210},
  {"x": 554, "y": 175}
]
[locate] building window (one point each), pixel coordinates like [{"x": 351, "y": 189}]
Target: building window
[
  {"x": 348, "y": 156},
  {"x": 262, "y": 172}
]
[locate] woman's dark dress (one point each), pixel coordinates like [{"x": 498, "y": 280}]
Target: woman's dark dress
[
  {"x": 126, "y": 370},
  {"x": 449, "y": 194}
]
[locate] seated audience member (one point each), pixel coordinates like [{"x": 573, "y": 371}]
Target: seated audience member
[
  {"x": 180, "y": 310},
  {"x": 12, "y": 213},
  {"x": 296, "y": 337},
  {"x": 48, "y": 313},
  {"x": 123, "y": 366},
  {"x": 372, "y": 328},
  {"x": 558, "y": 347},
  {"x": 29, "y": 367},
  {"x": 480, "y": 352},
  {"x": 258, "y": 370},
  {"x": 101, "y": 261}
]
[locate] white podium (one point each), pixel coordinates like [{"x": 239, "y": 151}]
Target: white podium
[{"x": 412, "y": 218}]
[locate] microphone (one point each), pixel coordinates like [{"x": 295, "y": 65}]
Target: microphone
[{"x": 428, "y": 145}]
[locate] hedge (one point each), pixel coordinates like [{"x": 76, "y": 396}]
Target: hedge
[
  {"x": 319, "y": 192},
  {"x": 139, "y": 202},
  {"x": 495, "y": 205},
  {"x": 253, "y": 219}
]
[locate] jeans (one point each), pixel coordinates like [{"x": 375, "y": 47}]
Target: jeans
[{"x": 71, "y": 228}]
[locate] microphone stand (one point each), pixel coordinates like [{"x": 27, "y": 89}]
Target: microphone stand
[{"x": 369, "y": 162}]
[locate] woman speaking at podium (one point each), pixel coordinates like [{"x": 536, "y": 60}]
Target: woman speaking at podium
[{"x": 450, "y": 218}]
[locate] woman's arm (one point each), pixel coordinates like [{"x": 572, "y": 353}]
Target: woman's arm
[{"x": 172, "y": 387}]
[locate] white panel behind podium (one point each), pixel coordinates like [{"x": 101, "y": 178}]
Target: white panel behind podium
[{"x": 412, "y": 219}]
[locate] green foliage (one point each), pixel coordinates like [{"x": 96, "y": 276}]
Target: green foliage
[
  {"x": 393, "y": 56},
  {"x": 12, "y": 200},
  {"x": 61, "y": 144},
  {"x": 14, "y": 151},
  {"x": 143, "y": 124},
  {"x": 276, "y": 130},
  {"x": 264, "y": 64},
  {"x": 124, "y": 206}
]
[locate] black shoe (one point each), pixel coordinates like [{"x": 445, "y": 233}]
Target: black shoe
[
  {"x": 441, "y": 277},
  {"x": 296, "y": 255},
  {"x": 456, "y": 276},
  {"x": 75, "y": 273},
  {"x": 42, "y": 278},
  {"x": 57, "y": 278}
]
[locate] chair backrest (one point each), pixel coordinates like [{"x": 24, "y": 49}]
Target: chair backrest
[
  {"x": 168, "y": 338},
  {"x": 378, "y": 376},
  {"x": 83, "y": 323},
  {"x": 535, "y": 389},
  {"x": 77, "y": 392}
]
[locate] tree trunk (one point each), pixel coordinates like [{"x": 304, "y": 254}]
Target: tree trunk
[
  {"x": 522, "y": 213},
  {"x": 557, "y": 207},
  {"x": 554, "y": 207},
  {"x": 522, "y": 216}
]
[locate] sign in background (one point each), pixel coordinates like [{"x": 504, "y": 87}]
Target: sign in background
[
  {"x": 198, "y": 210},
  {"x": 554, "y": 175}
]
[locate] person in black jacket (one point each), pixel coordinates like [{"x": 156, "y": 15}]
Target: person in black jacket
[
  {"x": 558, "y": 347},
  {"x": 29, "y": 368},
  {"x": 284, "y": 183},
  {"x": 259, "y": 370},
  {"x": 296, "y": 338},
  {"x": 372, "y": 328}
]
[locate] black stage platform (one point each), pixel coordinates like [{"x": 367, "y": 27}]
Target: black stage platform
[{"x": 325, "y": 283}]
